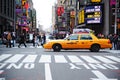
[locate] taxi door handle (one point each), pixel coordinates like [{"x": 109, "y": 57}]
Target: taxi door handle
[{"x": 82, "y": 42}]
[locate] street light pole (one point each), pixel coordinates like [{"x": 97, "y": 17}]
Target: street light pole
[
  {"x": 14, "y": 16},
  {"x": 76, "y": 13},
  {"x": 115, "y": 26}
]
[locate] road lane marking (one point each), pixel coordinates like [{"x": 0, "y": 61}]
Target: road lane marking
[
  {"x": 48, "y": 75},
  {"x": 60, "y": 59},
  {"x": 45, "y": 59},
  {"x": 72, "y": 66},
  {"x": 89, "y": 59},
  {"x": 4, "y": 56},
  {"x": 75, "y": 59},
  {"x": 30, "y": 59},
  {"x": 100, "y": 76},
  {"x": 15, "y": 58},
  {"x": 103, "y": 59},
  {"x": 113, "y": 58}
]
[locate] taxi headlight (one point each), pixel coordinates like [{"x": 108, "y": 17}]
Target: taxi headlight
[{"x": 48, "y": 42}]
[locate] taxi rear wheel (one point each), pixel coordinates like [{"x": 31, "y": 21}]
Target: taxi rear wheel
[
  {"x": 95, "y": 48},
  {"x": 56, "y": 48}
]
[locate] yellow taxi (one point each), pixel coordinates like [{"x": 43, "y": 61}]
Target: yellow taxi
[{"x": 79, "y": 41}]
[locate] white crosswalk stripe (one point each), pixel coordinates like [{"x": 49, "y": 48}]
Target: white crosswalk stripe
[
  {"x": 75, "y": 59},
  {"x": 9, "y": 58},
  {"x": 60, "y": 59},
  {"x": 45, "y": 59},
  {"x": 113, "y": 58},
  {"x": 103, "y": 59},
  {"x": 89, "y": 59},
  {"x": 30, "y": 59},
  {"x": 15, "y": 58},
  {"x": 4, "y": 56}
]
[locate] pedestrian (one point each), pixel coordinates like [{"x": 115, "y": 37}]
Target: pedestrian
[
  {"x": 22, "y": 40},
  {"x": 115, "y": 41},
  {"x": 39, "y": 37},
  {"x": 118, "y": 43},
  {"x": 110, "y": 37},
  {"x": 9, "y": 38},
  {"x": 13, "y": 39},
  {"x": 36, "y": 41},
  {"x": 33, "y": 40},
  {"x": 43, "y": 38}
]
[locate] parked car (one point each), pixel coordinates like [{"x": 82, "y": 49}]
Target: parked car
[{"x": 79, "y": 41}]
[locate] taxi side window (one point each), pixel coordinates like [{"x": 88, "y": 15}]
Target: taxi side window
[
  {"x": 85, "y": 37},
  {"x": 73, "y": 37}
]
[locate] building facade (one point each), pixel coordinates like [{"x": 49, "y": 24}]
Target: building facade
[
  {"x": 25, "y": 16},
  {"x": 7, "y": 15},
  {"x": 102, "y": 16},
  {"x": 18, "y": 16}
]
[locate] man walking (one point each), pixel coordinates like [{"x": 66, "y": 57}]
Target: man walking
[{"x": 22, "y": 40}]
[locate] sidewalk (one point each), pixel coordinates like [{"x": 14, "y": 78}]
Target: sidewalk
[
  {"x": 16, "y": 45},
  {"x": 112, "y": 51}
]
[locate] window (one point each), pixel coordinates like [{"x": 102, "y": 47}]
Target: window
[
  {"x": 73, "y": 37},
  {"x": 85, "y": 37}
]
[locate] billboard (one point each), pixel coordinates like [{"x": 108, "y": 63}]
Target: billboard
[
  {"x": 81, "y": 17},
  {"x": 94, "y": 14},
  {"x": 96, "y": 1}
]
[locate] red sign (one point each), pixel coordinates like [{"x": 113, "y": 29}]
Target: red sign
[{"x": 60, "y": 11}]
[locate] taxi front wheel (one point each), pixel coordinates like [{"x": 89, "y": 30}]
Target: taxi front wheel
[{"x": 56, "y": 48}]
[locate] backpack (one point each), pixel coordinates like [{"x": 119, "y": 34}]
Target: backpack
[{"x": 9, "y": 37}]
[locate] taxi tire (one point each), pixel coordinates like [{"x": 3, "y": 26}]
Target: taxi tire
[
  {"x": 56, "y": 47},
  {"x": 95, "y": 48}
]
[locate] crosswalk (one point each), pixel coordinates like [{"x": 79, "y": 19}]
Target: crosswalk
[{"x": 34, "y": 58}]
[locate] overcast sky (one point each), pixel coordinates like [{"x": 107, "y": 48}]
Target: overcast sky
[{"x": 44, "y": 11}]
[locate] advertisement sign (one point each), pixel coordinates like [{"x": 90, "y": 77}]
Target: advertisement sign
[
  {"x": 72, "y": 14},
  {"x": 82, "y": 30},
  {"x": 93, "y": 14},
  {"x": 81, "y": 17},
  {"x": 112, "y": 2}
]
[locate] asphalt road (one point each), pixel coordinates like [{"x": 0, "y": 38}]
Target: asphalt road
[{"x": 38, "y": 64}]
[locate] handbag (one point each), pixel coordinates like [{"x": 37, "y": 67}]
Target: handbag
[{"x": 11, "y": 41}]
